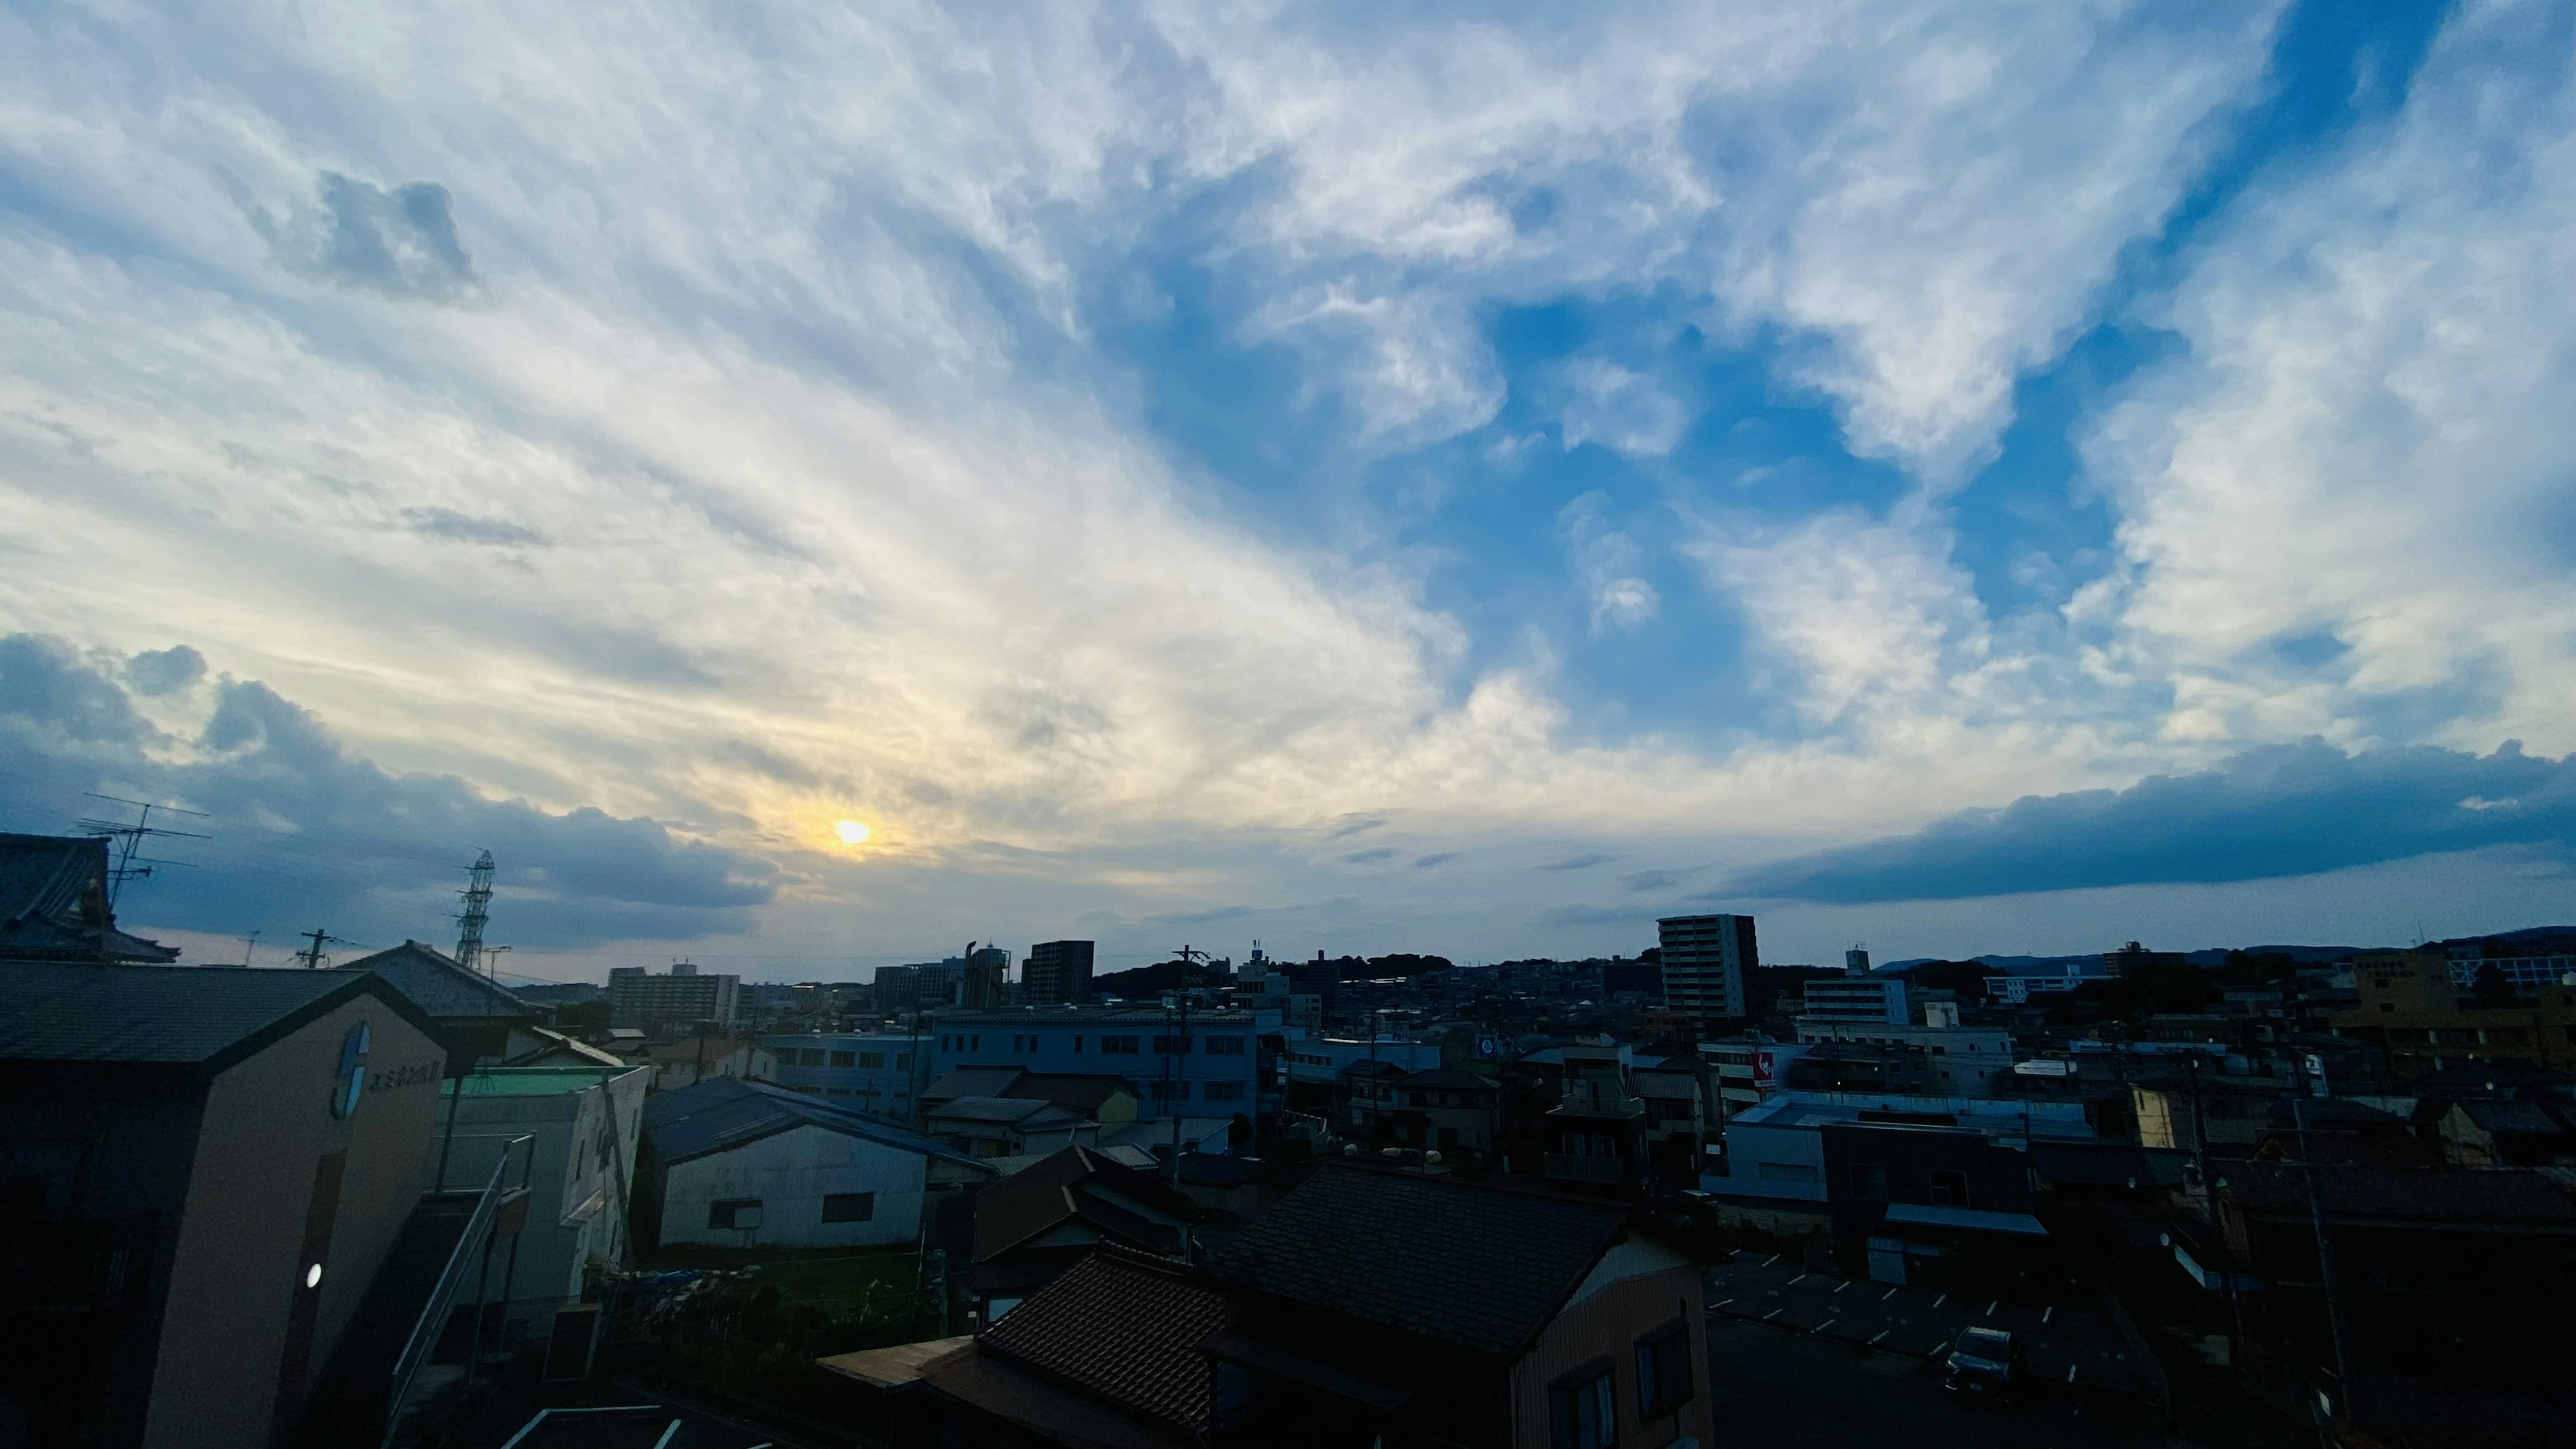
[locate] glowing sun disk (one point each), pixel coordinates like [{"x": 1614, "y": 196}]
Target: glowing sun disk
[{"x": 850, "y": 831}]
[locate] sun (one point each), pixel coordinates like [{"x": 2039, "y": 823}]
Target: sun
[{"x": 851, "y": 832}]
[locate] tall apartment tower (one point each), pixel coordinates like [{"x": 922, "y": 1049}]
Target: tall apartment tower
[
  {"x": 1056, "y": 972},
  {"x": 1705, "y": 962}
]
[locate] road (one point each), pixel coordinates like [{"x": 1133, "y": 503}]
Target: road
[{"x": 1780, "y": 1390}]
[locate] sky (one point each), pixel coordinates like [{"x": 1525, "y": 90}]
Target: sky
[{"x": 1959, "y": 477}]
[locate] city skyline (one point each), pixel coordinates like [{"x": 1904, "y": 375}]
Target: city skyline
[{"x": 1387, "y": 483}]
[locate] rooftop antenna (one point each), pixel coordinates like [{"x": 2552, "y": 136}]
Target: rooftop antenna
[
  {"x": 128, "y": 838},
  {"x": 478, "y": 902},
  {"x": 312, "y": 956},
  {"x": 249, "y": 943}
]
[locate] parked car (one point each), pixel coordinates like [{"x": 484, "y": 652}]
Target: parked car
[{"x": 1985, "y": 1363}]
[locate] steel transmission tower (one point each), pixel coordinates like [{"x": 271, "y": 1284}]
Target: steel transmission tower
[{"x": 478, "y": 903}]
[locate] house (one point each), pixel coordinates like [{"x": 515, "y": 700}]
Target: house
[
  {"x": 2505, "y": 1133},
  {"x": 732, "y": 1163},
  {"x": 1034, "y": 1224},
  {"x": 1007, "y": 1126},
  {"x": 478, "y": 1018},
  {"x": 2225, "y": 1116},
  {"x": 54, "y": 904},
  {"x": 1596, "y": 1133},
  {"x": 2332, "y": 1129},
  {"x": 1365, "y": 1098},
  {"x": 1105, "y": 1098},
  {"x": 1447, "y": 1111},
  {"x": 579, "y": 1170},
  {"x": 1370, "y": 1306},
  {"x": 214, "y": 1175},
  {"x": 690, "y": 1060},
  {"x": 555, "y": 1049},
  {"x": 1676, "y": 1117}
]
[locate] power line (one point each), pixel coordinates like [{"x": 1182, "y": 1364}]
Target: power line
[{"x": 129, "y": 838}]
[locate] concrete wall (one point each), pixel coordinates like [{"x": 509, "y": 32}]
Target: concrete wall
[
  {"x": 790, "y": 1172},
  {"x": 235, "y": 1273},
  {"x": 1636, "y": 1289}
]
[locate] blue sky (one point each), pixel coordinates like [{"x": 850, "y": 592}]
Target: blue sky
[{"x": 1442, "y": 480}]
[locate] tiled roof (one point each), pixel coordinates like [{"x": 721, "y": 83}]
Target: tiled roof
[
  {"x": 1083, "y": 1092},
  {"x": 1014, "y": 1111},
  {"x": 53, "y": 904},
  {"x": 1484, "y": 1267},
  {"x": 971, "y": 1081},
  {"x": 1124, "y": 1328},
  {"x": 2484, "y": 1195},
  {"x": 205, "y": 1016},
  {"x": 442, "y": 988},
  {"x": 1075, "y": 1182},
  {"x": 721, "y": 1113}
]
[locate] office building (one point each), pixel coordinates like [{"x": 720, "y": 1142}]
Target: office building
[
  {"x": 2135, "y": 957},
  {"x": 1056, "y": 972},
  {"x": 869, "y": 1070},
  {"x": 685, "y": 997},
  {"x": 1706, "y": 960}
]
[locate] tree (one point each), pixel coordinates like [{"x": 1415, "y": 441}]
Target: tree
[{"x": 2489, "y": 987}]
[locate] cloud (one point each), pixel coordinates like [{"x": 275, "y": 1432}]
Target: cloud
[
  {"x": 1370, "y": 856},
  {"x": 455, "y": 527},
  {"x": 1579, "y": 862},
  {"x": 1620, "y": 410},
  {"x": 2281, "y": 810},
  {"x": 400, "y": 242},
  {"x": 302, "y": 828},
  {"x": 1437, "y": 858},
  {"x": 1607, "y": 563},
  {"x": 165, "y": 671}
]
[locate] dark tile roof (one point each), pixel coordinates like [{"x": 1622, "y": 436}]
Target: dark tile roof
[
  {"x": 2528, "y": 1117},
  {"x": 721, "y": 1113},
  {"x": 442, "y": 988},
  {"x": 1083, "y": 1092},
  {"x": 203, "y": 1016},
  {"x": 53, "y": 904},
  {"x": 971, "y": 1082},
  {"x": 1034, "y": 1112},
  {"x": 1480, "y": 1266},
  {"x": 2488, "y": 1195},
  {"x": 1075, "y": 1182},
  {"x": 1124, "y": 1328}
]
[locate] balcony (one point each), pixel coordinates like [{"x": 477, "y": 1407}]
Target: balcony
[{"x": 1567, "y": 1167}]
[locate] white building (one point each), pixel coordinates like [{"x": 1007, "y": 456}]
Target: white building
[
  {"x": 1966, "y": 1060},
  {"x": 739, "y": 1164},
  {"x": 1319, "y": 1060},
  {"x": 1865, "y": 1000},
  {"x": 585, "y": 1120}
]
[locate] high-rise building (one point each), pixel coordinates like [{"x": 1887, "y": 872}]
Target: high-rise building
[
  {"x": 982, "y": 983},
  {"x": 1856, "y": 961},
  {"x": 1706, "y": 959},
  {"x": 684, "y": 997},
  {"x": 1056, "y": 972}
]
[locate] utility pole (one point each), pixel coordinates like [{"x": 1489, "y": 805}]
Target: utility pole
[
  {"x": 2325, "y": 1243},
  {"x": 249, "y": 944},
  {"x": 312, "y": 956},
  {"x": 1173, "y": 1082}
]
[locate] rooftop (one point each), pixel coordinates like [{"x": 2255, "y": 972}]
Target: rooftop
[
  {"x": 1123, "y": 1327},
  {"x": 535, "y": 1081},
  {"x": 1480, "y": 1266},
  {"x": 53, "y": 904},
  {"x": 722, "y": 1113},
  {"x": 1077, "y": 1182},
  {"x": 442, "y": 988},
  {"x": 202, "y": 1016}
]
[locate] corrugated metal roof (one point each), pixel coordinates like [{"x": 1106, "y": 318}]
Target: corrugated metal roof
[
  {"x": 176, "y": 1015},
  {"x": 722, "y": 1113}
]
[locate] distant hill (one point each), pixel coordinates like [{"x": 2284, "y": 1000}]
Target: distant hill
[{"x": 2216, "y": 956}]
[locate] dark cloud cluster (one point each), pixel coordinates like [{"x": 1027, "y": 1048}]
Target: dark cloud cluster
[
  {"x": 304, "y": 833},
  {"x": 400, "y": 242},
  {"x": 2282, "y": 810}
]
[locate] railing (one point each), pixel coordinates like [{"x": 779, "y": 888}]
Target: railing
[{"x": 442, "y": 1298}]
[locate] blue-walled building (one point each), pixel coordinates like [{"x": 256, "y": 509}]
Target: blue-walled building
[
  {"x": 874, "y": 1071},
  {"x": 1222, "y": 1063}
]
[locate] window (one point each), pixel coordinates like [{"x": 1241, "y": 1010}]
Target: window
[
  {"x": 1581, "y": 1411},
  {"x": 1027, "y": 1043},
  {"x": 1225, "y": 1046},
  {"x": 809, "y": 1058},
  {"x": 1165, "y": 1046},
  {"x": 1221, "y": 1091},
  {"x": 1949, "y": 1186},
  {"x": 734, "y": 1212},
  {"x": 1077, "y": 1046},
  {"x": 975, "y": 1043},
  {"x": 849, "y": 1207},
  {"x": 1120, "y": 1045},
  {"x": 1664, "y": 1381},
  {"x": 845, "y": 1059},
  {"x": 1869, "y": 1182},
  {"x": 872, "y": 1059}
]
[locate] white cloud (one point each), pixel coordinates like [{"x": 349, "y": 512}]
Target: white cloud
[
  {"x": 1621, "y": 410},
  {"x": 1608, "y": 564},
  {"x": 2364, "y": 451}
]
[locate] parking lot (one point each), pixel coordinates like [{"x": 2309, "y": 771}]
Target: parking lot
[{"x": 2072, "y": 1343}]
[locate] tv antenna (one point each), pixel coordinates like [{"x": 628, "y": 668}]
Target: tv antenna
[
  {"x": 126, "y": 864},
  {"x": 312, "y": 956},
  {"x": 477, "y": 896}
]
